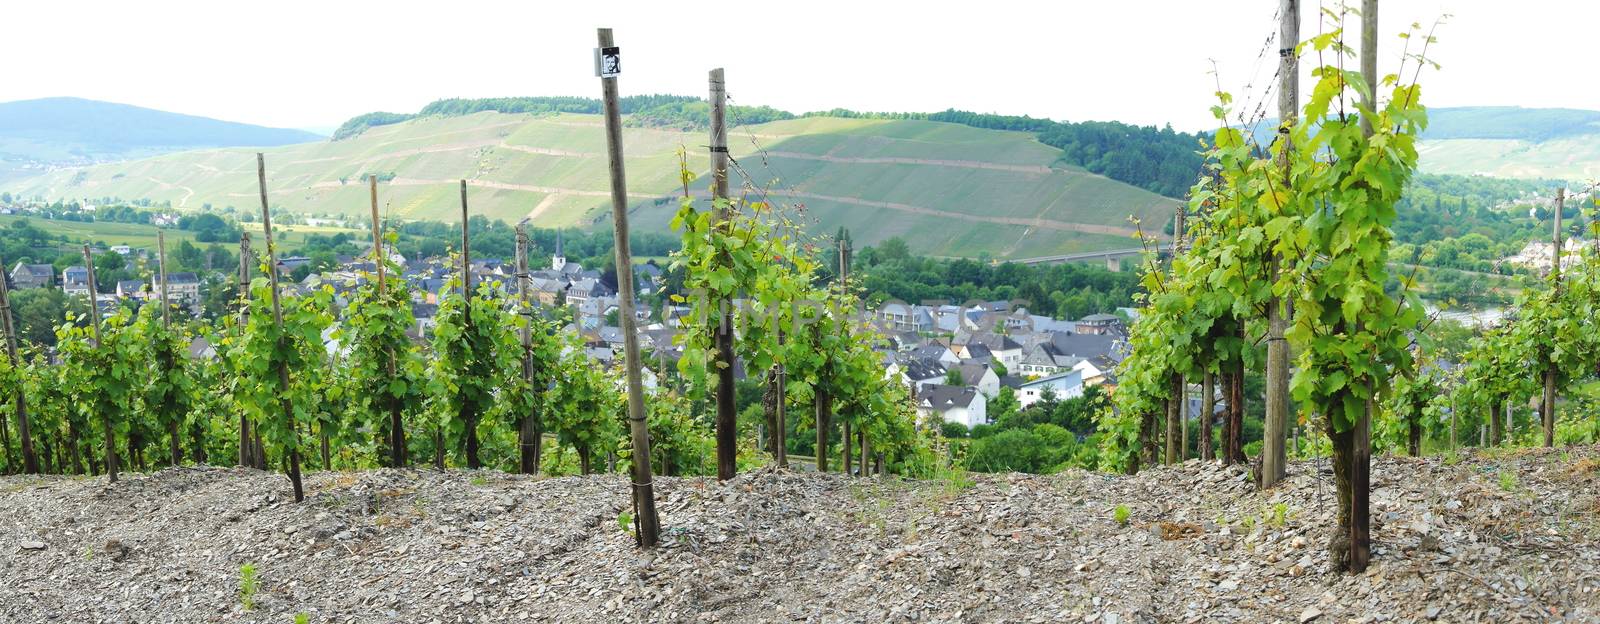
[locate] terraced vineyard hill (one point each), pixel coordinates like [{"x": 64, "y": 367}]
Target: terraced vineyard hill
[
  {"x": 947, "y": 189},
  {"x": 1506, "y": 142}
]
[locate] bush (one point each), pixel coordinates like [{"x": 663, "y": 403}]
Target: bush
[
  {"x": 955, "y": 430},
  {"x": 1036, "y": 450}
]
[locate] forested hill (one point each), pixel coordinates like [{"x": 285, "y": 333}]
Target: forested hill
[
  {"x": 1510, "y": 122},
  {"x": 1159, "y": 160}
]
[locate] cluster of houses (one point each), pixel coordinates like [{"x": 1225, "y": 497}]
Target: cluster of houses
[
  {"x": 1539, "y": 255},
  {"x": 952, "y": 360},
  {"x": 955, "y": 359},
  {"x": 183, "y": 287}
]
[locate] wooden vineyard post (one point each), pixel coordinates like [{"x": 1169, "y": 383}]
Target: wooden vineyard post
[
  {"x": 1208, "y": 412},
  {"x": 727, "y": 418},
  {"x": 277, "y": 319},
  {"x": 1175, "y": 423},
  {"x": 99, "y": 343},
  {"x": 470, "y": 424},
  {"x": 780, "y": 433},
  {"x": 161, "y": 258},
  {"x": 246, "y": 440},
  {"x": 648, "y": 527},
  {"x": 30, "y": 459},
  {"x": 528, "y": 434},
  {"x": 397, "y": 432},
  {"x": 844, "y": 424},
  {"x": 1274, "y": 463},
  {"x": 1361, "y": 468},
  {"x": 1547, "y": 407},
  {"x": 173, "y": 428},
  {"x": 824, "y": 422}
]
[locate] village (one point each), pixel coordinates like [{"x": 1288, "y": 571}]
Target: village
[{"x": 953, "y": 359}]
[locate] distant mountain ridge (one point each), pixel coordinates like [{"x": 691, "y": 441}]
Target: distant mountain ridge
[
  {"x": 1505, "y": 142},
  {"x": 76, "y": 130},
  {"x": 1510, "y": 122}
]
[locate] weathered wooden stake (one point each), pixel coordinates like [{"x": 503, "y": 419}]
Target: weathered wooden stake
[
  {"x": 647, "y": 522},
  {"x": 844, "y": 423},
  {"x": 397, "y": 426},
  {"x": 528, "y": 430},
  {"x": 1361, "y": 468},
  {"x": 30, "y": 459},
  {"x": 469, "y": 410},
  {"x": 277, "y": 319},
  {"x": 161, "y": 257},
  {"x": 1175, "y": 420},
  {"x": 174, "y": 428},
  {"x": 247, "y": 456},
  {"x": 727, "y": 418},
  {"x": 99, "y": 343},
  {"x": 1208, "y": 413},
  {"x": 1547, "y": 408},
  {"x": 1274, "y": 463},
  {"x": 781, "y": 432}
]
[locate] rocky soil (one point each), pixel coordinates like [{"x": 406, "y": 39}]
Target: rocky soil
[{"x": 1480, "y": 538}]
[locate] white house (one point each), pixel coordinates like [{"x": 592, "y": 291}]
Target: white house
[
  {"x": 183, "y": 287},
  {"x": 907, "y": 317},
  {"x": 962, "y": 404},
  {"x": 1063, "y": 385},
  {"x": 75, "y": 281},
  {"x": 1001, "y": 347},
  {"x": 1095, "y": 369},
  {"x": 1046, "y": 359},
  {"x": 981, "y": 376},
  {"x": 921, "y": 373},
  {"x": 935, "y": 352}
]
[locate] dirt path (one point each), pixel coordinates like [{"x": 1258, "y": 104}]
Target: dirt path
[
  {"x": 546, "y": 151},
  {"x": 1049, "y": 224},
  {"x": 553, "y": 190},
  {"x": 544, "y": 205},
  {"x": 187, "y": 192},
  {"x": 963, "y": 164}
]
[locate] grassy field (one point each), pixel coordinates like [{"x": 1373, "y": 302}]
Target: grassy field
[
  {"x": 948, "y": 189},
  {"x": 1570, "y": 158},
  {"x": 144, "y": 236}
]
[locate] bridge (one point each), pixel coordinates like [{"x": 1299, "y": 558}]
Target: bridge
[{"x": 1111, "y": 256}]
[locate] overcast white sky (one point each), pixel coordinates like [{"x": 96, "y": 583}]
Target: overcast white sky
[{"x": 313, "y": 64}]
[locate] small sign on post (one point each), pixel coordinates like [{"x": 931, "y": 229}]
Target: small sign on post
[{"x": 608, "y": 62}]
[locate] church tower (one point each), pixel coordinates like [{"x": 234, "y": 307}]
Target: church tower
[{"x": 558, "y": 261}]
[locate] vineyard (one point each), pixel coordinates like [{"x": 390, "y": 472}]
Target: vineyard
[{"x": 505, "y": 473}]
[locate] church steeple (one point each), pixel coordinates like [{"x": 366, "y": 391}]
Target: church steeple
[{"x": 558, "y": 261}]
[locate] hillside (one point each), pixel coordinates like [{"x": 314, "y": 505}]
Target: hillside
[
  {"x": 1506, "y": 142},
  {"x": 1481, "y": 537},
  {"x": 65, "y": 130},
  {"x": 141, "y": 236},
  {"x": 1512, "y": 142},
  {"x": 949, "y": 189}
]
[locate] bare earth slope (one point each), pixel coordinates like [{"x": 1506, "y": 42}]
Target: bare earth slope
[{"x": 1454, "y": 543}]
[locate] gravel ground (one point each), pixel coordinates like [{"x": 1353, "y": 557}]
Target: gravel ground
[{"x": 1480, "y": 538}]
